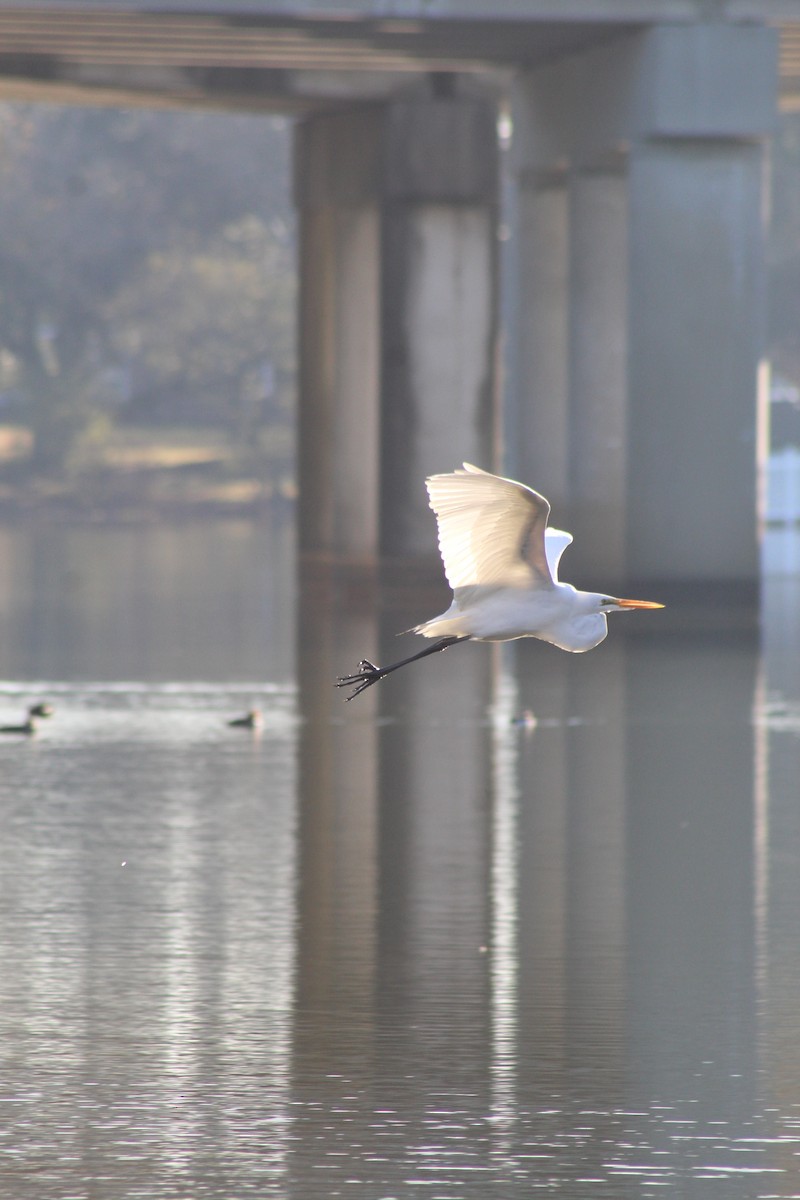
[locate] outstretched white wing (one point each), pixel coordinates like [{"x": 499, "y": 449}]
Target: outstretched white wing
[
  {"x": 555, "y": 543},
  {"x": 491, "y": 530}
]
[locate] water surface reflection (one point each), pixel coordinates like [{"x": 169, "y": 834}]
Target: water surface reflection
[
  {"x": 402, "y": 946},
  {"x": 155, "y": 602},
  {"x": 146, "y": 883},
  {"x": 567, "y": 959}
]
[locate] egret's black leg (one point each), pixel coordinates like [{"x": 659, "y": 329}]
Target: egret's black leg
[{"x": 368, "y": 673}]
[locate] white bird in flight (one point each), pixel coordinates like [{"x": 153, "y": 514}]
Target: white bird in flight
[{"x": 501, "y": 561}]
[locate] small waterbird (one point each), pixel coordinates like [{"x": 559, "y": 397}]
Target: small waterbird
[
  {"x": 501, "y": 560},
  {"x": 251, "y": 720},
  {"x": 28, "y": 726}
]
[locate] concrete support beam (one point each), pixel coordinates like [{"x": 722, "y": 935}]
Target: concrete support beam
[
  {"x": 541, "y": 449},
  {"x": 598, "y": 312},
  {"x": 695, "y": 337},
  {"x": 439, "y": 304},
  {"x": 398, "y": 315},
  {"x": 337, "y": 161},
  {"x": 662, "y": 145}
]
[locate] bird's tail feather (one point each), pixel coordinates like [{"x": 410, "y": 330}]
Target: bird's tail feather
[{"x": 448, "y": 624}]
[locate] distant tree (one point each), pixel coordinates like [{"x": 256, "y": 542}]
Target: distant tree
[
  {"x": 209, "y": 331},
  {"x": 131, "y": 247}
]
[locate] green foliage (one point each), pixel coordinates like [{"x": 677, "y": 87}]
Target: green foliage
[
  {"x": 146, "y": 268},
  {"x": 227, "y": 345}
]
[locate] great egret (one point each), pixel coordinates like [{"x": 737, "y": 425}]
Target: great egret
[{"x": 501, "y": 561}]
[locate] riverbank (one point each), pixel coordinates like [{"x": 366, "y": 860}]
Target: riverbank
[{"x": 141, "y": 475}]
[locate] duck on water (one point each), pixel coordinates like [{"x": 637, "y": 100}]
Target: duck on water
[{"x": 28, "y": 727}]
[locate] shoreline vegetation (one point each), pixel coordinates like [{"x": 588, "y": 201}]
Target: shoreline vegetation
[{"x": 147, "y": 474}]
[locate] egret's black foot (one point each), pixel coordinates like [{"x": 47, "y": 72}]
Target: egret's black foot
[
  {"x": 365, "y": 676},
  {"x": 368, "y": 673}
]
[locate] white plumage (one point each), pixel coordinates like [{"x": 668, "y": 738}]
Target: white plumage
[{"x": 501, "y": 560}]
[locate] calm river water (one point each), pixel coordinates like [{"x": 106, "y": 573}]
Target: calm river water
[{"x": 396, "y": 948}]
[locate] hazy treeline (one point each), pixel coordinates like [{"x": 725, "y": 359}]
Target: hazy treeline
[{"x": 146, "y": 273}]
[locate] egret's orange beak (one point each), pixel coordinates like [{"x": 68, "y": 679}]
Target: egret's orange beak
[{"x": 638, "y": 604}]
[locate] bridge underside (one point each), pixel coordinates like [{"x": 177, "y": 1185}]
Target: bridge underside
[
  {"x": 254, "y": 61},
  {"x": 626, "y": 298}
]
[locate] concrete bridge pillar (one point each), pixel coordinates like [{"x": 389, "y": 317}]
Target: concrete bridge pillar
[
  {"x": 398, "y": 216},
  {"x": 597, "y": 391},
  {"x": 337, "y": 173},
  {"x": 439, "y": 304},
  {"x": 696, "y": 337},
  {"x": 541, "y": 437},
  {"x": 660, "y": 146}
]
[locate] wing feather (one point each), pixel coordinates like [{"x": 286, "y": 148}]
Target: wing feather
[
  {"x": 555, "y": 543},
  {"x": 491, "y": 530}
]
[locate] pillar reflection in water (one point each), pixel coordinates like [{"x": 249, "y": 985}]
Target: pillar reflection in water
[
  {"x": 778, "y": 739},
  {"x": 635, "y": 971},
  {"x": 571, "y": 874},
  {"x": 337, "y": 779},
  {"x": 526, "y": 934},
  {"x": 571, "y": 888},
  {"x": 434, "y": 853},
  {"x": 691, "y": 1028},
  {"x": 392, "y": 1005}
]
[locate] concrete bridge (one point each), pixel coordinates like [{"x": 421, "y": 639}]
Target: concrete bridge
[{"x": 579, "y": 300}]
